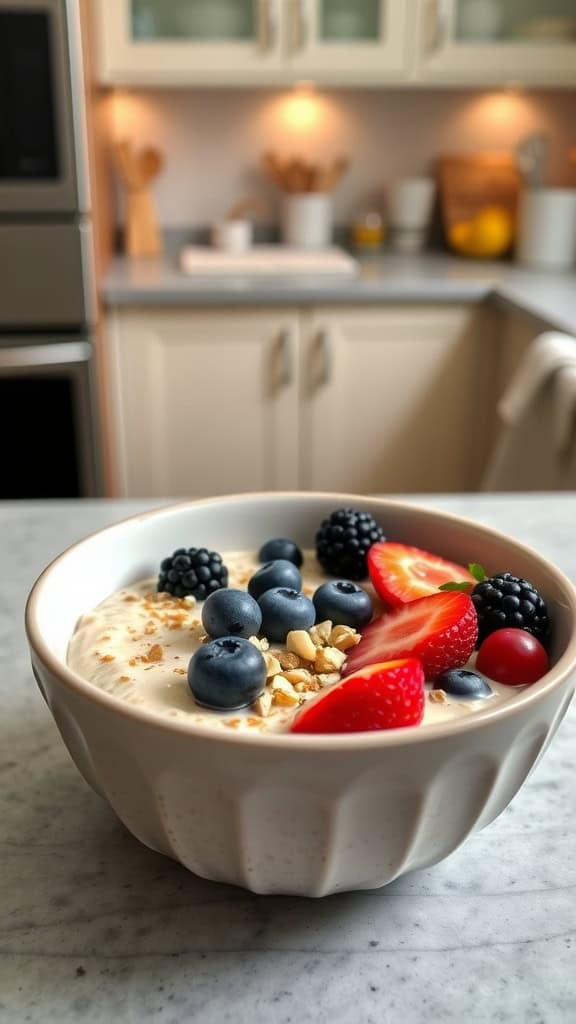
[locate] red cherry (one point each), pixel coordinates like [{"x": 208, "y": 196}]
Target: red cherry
[{"x": 512, "y": 656}]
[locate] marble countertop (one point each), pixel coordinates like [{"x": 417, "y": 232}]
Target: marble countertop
[
  {"x": 95, "y": 927},
  {"x": 429, "y": 278}
]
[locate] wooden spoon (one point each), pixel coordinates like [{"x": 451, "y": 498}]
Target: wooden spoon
[
  {"x": 150, "y": 163},
  {"x": 127, "y": 164}
]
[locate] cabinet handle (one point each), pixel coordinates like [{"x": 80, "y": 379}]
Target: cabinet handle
[
  {"x": 436, "y": 27},
  {"x": 326, "y": 349},
  {"x": 268, "y": 24},
  {"x": 287, "y": 350}
]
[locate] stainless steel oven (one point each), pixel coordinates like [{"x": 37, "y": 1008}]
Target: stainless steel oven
[
  {"x": 47, "y": 307},
  {"x": 46, "y": 417},
  {"x": 43, "y": 164}
]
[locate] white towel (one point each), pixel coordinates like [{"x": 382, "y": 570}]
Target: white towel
[
  {"x": 547, "y": 354},
  {"x": 565, "y": 409}
]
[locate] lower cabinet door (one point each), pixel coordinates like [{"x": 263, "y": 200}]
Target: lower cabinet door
[
  {"x": 205, "y": 402},
  {"x": 388, "y": 399}
]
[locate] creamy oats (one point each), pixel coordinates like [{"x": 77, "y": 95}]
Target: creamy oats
[{"x": 137, "y": 645}]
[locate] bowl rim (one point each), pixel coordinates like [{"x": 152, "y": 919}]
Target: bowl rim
[{"x": 370, "y": 740}]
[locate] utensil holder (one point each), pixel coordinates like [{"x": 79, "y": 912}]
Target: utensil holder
[
  {"x": 307, "y": 220},
  {"x": 547, "y": 228}
]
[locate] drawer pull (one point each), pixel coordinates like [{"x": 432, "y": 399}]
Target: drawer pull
[
  {"x": 326, "y": 347},
  {"x": 286, "y": 369}
]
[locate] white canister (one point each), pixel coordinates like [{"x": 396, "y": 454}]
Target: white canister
[
  {"x": 307, "y": 220},
  {"x": 232, "y": 235},
  {"x": 410, "y": 204},
  {"x": 547, "y": 228}
]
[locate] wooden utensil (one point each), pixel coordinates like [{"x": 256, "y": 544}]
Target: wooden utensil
[
  {"x": 137, "y": 170},
  {"x": 296, "y": 175},
  {"x": 326, "y": 178}
]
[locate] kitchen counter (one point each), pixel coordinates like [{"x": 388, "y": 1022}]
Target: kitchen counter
[
  {"x": 95, "y": 927},
  {"x": 428, "y": 278}
]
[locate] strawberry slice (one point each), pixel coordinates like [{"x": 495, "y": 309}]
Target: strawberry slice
[
  {"x": 401, "y": 573},
  {"x": 440, "y": 630},
  {"x": 383, "y": 696}
]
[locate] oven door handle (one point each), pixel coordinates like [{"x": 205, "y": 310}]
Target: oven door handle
[{"x": 60, "y": 354}]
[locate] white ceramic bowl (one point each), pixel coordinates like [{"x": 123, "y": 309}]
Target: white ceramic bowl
[{"x": 289, "y": 814}]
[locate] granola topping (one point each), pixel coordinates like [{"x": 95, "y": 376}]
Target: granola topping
[{"x": 137, "y": 645}]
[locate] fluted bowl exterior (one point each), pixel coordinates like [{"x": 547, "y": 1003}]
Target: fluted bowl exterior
[{"x": 283, "y": 814}]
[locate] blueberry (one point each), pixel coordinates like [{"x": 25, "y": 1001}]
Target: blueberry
[
  {"x": 231, "y": 613},
  {"x": 459, "y": 682},
  {"x": 284, "y": 609},
  {"x": 227, "y": 673},
  {"x": 280, "y": 547},
  {"x": 279, "y": 573},
  {"x": 345, "y": 603}
]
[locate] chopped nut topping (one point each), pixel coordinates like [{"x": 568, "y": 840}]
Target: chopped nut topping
[
  {"x": 320, "y": 633},
  {"x": 180, "y": 671},
  {"x": 288, "y": 659},
  {"x": 344, "y": 637},
  {"x": 329, "y": 659},
  {"x": 312, "y": 686},
  {"x": 262, "y": 643},
  {"x": 328, "y": 678},
  {"x": 297, "y": 675},
  {"x": 155, "y": 653},
  {"x": 283, "y": 693},
  {"x": 300, "y": 642},
  {"x": 273, "y": 666},
  {"x": 263, "y": 704},
  {"x": 438, "y": 697},
  {"x": 285, "y": 700}
]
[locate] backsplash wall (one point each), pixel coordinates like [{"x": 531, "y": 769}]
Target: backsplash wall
[{"x": 213, "y": 139}]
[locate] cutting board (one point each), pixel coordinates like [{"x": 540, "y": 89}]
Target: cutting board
[
  {"x": 267, "y": 261},
  {"x": 470, "y": 182}
]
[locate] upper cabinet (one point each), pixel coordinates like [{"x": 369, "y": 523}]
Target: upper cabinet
[
  {"x": 336, "y": 42},
  {"x": 495, "y": 41},
  {"x": 189, "y": 42},
  {"x": 364, "y": 41},
  {"x": 247, "y": 42}
]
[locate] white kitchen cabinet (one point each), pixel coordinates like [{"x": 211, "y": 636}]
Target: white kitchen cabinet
[
  {"x": 204, "y": 402},
  {"x": 336, "y": 42},
  {"x": 347, "y": 42},
  {"x": 497, "y": 41},
  {"x": 250, "y": 42},
  {"x": 189, "y": 42},
  {"x": 386, "y": 399}
]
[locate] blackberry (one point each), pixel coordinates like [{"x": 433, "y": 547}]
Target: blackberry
[
  {"x": 343, "y": 540},
  {"x": 194, "y": 571},
  {"x": 508, "y": 601}
]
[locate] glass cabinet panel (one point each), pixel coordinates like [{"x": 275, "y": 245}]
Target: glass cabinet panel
[
  {"x": 352, "y": 22},
  {"x": 530, "y": 22},
  {"x": 192, "y": 20}
]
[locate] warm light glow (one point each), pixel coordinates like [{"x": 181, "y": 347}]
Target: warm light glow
[
  {"x": 133, "y": 114},
  {"x": 501, "y": 108},
  {"x": 301, "y": 111},
  {"x": 302, "y": 116},
  {"x": 302, "y": 108}
]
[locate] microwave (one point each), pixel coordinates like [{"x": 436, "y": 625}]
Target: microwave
[{"x": 43, "y": 163}]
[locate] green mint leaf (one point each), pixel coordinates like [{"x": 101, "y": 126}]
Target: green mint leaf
[
  {"x": 477, "y": 571},
  {"x": 464, "y": 585}
]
